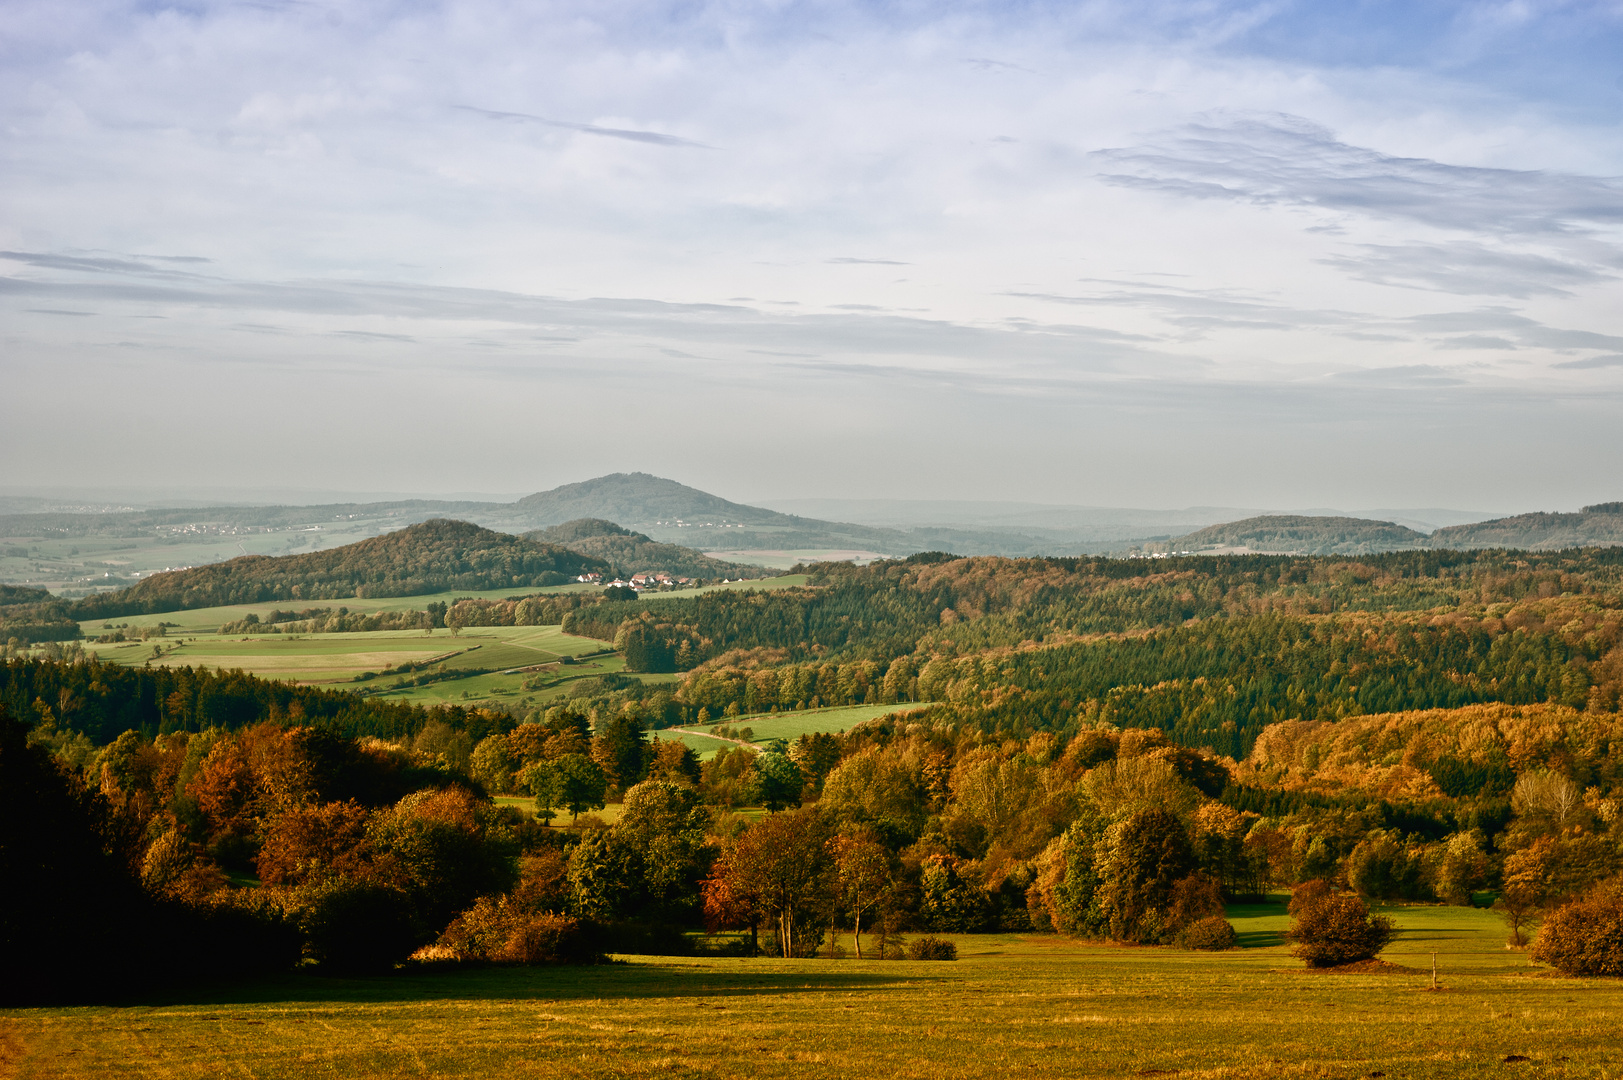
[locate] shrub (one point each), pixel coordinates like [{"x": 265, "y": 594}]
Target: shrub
[
  {"x": 931, "y": 948},
  {"x": 1213, "y": 933},
  {"x": 1585, "y": 937},
  {"x": 1330, "y": 928},
  {"x": 503, "y": 932},
  {"x": 1194, "y": 899}
]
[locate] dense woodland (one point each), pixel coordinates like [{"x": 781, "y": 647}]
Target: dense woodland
[
  {"x": 1114, "y": 749},
  {"x": 32, "y": 615}
]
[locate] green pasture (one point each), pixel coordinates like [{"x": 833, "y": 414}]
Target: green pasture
[
  {"x": 207, "y": 620},
  {"x": 1012, "y": 1005},
  {"x": 608, "y": 815},
  {"x": 201, "y": 620},
  {"x": 703, "y": 745},
  {"x": 338, "y": 658},
  {"x": 790, "y": 726}
]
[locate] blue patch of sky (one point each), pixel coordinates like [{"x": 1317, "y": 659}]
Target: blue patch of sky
[{"x": 1568, "y": 55}]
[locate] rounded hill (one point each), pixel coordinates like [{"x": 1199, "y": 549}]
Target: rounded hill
[
  {"x": 1302, "y": 535},
  {"x": 433, "y": 556}
]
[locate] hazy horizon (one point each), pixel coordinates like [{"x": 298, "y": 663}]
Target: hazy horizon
[{"x": 1107, "y": 255}]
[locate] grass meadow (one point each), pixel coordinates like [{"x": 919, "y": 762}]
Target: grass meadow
[
  {"x": 1012, "y": 1005},
  {"x": 786, "y": 726},
  {"x": 336, "y": 659},
  {"x": 790, "y": 726}
]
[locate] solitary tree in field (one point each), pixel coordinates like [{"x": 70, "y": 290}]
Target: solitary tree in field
[
  {"x": 862, "y": 869},
  {"x": 1518, "y": 906}
]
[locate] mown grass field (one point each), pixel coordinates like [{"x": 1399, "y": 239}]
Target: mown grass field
[
  {"x": 1032, "y": 1006},
  {"x": 790, "y": 726},
  {"x": 336, "y": 659}
]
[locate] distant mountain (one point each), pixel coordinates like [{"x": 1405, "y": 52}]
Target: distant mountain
[
  {"x": 669, "y": 512},
  {"x": 641, "y": 499},
  {"x": 1063, "y": 524},
  {"x": 1296, "y": 535},
  {"x": 634, "y": 553},
  {"x": 433, "y": 556},
  {"x": 1600, "y": 525}
]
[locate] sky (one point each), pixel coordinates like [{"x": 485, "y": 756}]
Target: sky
[{"x": 1154, "y": 254}]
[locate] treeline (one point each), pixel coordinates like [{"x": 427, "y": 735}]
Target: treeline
[
  {"x": 891, "y": 609},
  {"x": 1212, "y": 684},
  {"x": 539, "y": 610},
  {"x": 434, "y": 556},
  {"x": 99, "y": 701},
  {"x": 370, "y": 849}
]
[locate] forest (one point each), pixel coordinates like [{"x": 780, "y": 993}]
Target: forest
[{"x": 1109, "y": 749}]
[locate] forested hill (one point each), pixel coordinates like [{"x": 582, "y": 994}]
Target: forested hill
[
  {"x": 22, "y": 594},
  {"x": 634, "y": 553},
  {"x": 1595, "y": 526},
  {"x": 433, "y": 556},
  {"x": 1210, "y": 649},
  {"x": 644, "y": 500},
  {"x": 1298, "y": 535}
]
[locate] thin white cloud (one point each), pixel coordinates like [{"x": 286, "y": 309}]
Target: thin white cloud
[{"x": 654, "y": 138}]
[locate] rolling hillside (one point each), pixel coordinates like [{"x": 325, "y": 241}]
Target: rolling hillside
[
  {"x": 1600, "y": 525},
  {"x": 632, "y": 552},
  {"x": 429, "y": 557},
  {"x": 1303, "y": 536}
]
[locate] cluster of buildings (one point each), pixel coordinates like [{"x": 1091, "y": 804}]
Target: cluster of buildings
[{"x": 639, "y": 582}]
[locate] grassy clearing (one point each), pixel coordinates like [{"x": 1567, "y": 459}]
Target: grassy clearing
[
  {"x": 609, "y": 814},
  {"x": 207, "y": 620},
  {"x": 703, "y": 745},
  {"x": 337, "y": 658},
  {"x": 792, "y": 725},
  {"x": 1038, "y": 1006}
]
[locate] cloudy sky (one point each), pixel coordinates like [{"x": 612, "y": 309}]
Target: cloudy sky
[{"x": 1151, "y": 253}]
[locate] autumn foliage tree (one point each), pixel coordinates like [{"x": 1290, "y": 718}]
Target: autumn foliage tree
[
  {"x": 778, "y": 869},
  {"x": 1330, "y": 927}
]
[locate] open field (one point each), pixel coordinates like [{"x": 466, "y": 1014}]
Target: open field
[
  {"x": 792, "y": 725},
  {"x": 703, "y": 745},
  {"x": 1034, "y": 1005},
  {"x": 336, "y": 659},
  {"x": 207, "y": 620},
  {"x": 786, "y": 558},
  {"x": 523, "y": 663}
]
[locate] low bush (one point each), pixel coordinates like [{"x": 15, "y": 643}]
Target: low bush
[
  {"x": 1211, "y": 934},
  {"x": 503, "y": 932},
  {"x": 1330, "y": 928},
  {"x": 1585, "y": 937},
  {"x": 931, "y": 948}
]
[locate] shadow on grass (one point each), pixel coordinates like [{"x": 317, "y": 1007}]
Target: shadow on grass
[
  {"x": 1259, "y": 939},
  {"x": 702, "y": 979}
]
